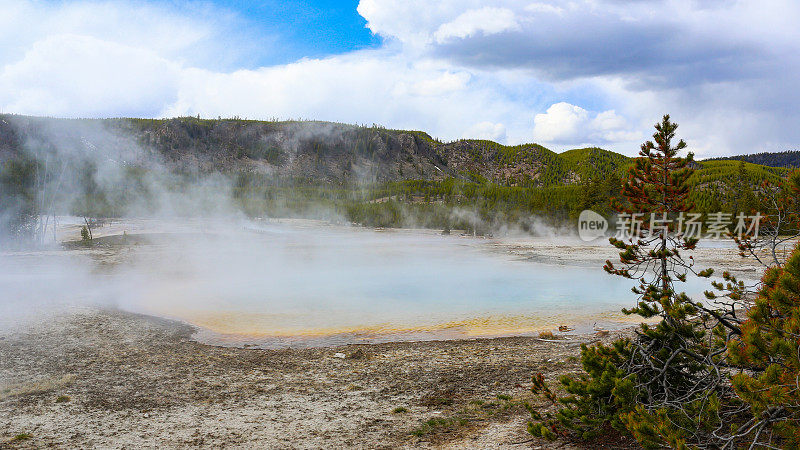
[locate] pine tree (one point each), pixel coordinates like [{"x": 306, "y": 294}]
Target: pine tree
[
  {"x": 85, "y": 233},
  {"x": 668, "y": 365},
  {"x": 769, "y": 351},
  {"x": 652, "y": 386},
  {"x": 744, "y": 199},
  {"x": 19, "y": 208},
  {"x": 657, "y": 188}
]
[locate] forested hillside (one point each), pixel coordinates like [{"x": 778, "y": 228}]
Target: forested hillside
[
  {"x": 788, "y": 159},
  {"x": 321, "y": 152},
  {"x": 365, "y": 174}
]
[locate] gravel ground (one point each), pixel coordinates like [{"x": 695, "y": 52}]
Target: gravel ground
[{"x": 112, "y": 379}]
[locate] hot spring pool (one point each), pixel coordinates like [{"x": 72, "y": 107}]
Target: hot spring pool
[
  {"x": 278, "y": 284},
  {"x": 330, "y": 284}
]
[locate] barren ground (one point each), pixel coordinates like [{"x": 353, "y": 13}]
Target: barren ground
[
  {"x": 135, "y": 381},
  {"x": 113, "y": 379}
]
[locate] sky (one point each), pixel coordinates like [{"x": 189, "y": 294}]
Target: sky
[{"x": 564, "y": 74}]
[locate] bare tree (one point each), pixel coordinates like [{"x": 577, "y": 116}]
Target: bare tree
[{"x": 767, "y": 237}]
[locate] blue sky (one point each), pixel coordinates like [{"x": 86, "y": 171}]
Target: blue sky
[
  {"x": 303, "y": 29},
  {"x": 564, "y": 74}
]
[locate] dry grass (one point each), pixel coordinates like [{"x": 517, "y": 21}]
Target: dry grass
[
  {"x": 40, "y": 386},
  {"x": 547, "y": 335}
]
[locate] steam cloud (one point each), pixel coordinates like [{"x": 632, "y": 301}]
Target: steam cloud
[{"x": 207, "y": 261}]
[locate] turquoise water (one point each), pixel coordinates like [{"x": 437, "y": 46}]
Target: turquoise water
[{"x": 281, "y": 284}]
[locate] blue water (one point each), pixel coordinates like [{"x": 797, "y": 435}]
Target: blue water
[
  {"x": 327, "y": 284},
  {"x": 283, "y": 281}
]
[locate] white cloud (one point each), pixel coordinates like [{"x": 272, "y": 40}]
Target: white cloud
[
  {"x": 561, "y": 123},
  {"x": 486, "y": 130},
  {"x": 197, "y": 35},
  {"x": 445, "y": 83},
  {"x": 92, "y": 71},
  {"x": 70, "y": 74},
  {"x": 725, "y": 70},
  {"x": 611, "y": 127},
  {"x": 359, "y": 88},
  {"x": 544, "y": 8},
  {"x": 410, "y": 22},
  {"x": 486, "y": 20},
  {"x": 597, "y": 72},
  {"x": 572, "y": 125}
]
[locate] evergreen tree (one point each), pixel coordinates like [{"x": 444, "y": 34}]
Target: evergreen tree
[
  {"x": 18, "y": 200},
  {"x": 744, "y": 198},
  {"x": 598, "y": 193},
  {"x": 769, "y": 351},
  {"x": 657, "y": 386}
]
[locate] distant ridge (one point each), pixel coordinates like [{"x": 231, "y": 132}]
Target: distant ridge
[
  {"x": 315, "y": 152},
  {"x": 787, "y": 159}
]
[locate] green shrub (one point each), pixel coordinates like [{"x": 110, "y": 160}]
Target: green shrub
[
  {"x": 22, "y": 437},
  {"x": 84, "y": 233}
]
